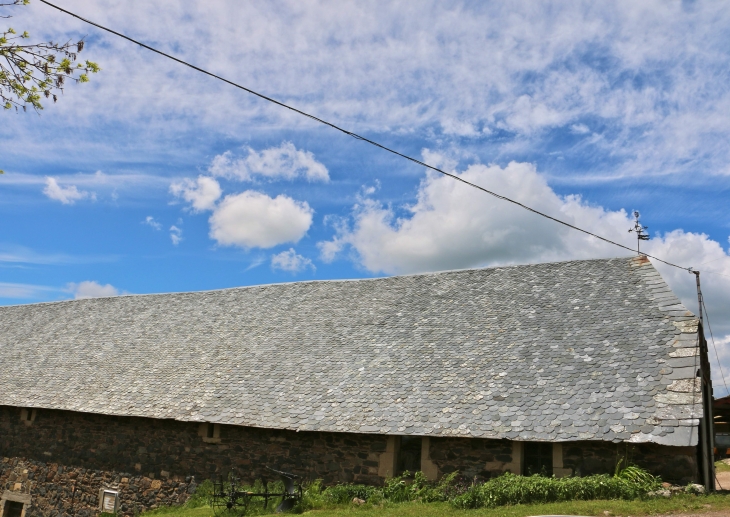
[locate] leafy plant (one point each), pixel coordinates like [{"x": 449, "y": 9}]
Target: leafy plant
[
  {"x": 510, "y": 489},
  {"x": 31, "y": 71},
  {"x": 201, "y": 496},
  {"x": 627, "y": 483},
  {"x": 635, "y": 475}
]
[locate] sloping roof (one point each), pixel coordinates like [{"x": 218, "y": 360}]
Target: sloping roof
[{"x": 595, "y": 349}]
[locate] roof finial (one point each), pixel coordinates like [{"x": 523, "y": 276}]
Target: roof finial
[{"x": 641, "y": 235}]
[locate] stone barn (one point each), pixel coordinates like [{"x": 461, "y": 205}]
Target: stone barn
[{"x": 126, "y": 403}]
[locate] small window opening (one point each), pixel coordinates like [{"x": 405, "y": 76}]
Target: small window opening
[
  {"x": 27, "y": 415},
  {"x": 13, "y": 509},
  {"x": 538, "y": 458},
  {"x": 211, "y": 433},
  {"x": 409, "y": 455}
]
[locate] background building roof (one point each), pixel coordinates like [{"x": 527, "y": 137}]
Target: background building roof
[{"x": 582, "y": 350}]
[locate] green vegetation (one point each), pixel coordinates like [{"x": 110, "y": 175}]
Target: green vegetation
[
  {"x": 721, "y": 467},
  {"x": 508, "y": 489},
  {"x": 625, "y": 493},
  {"x": 30, "y": 72},
  {"x": 678, "y": 504}
]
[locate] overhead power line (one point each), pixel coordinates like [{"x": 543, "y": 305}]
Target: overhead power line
[
  {"x": 355, "y": 135},
  {"x": 712, "y": 338}
]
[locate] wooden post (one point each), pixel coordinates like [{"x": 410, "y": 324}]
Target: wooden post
[
  {"x": 428, "y": 467},
  {"x": 387, "y": 462}
]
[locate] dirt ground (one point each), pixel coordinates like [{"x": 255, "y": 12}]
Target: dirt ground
[{"x": 723, "y": 481}]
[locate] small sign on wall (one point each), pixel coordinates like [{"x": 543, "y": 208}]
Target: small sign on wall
[{"x": 108, "y": 501}]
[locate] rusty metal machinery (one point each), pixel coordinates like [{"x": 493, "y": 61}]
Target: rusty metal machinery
[{"x": 231, "y": 498}]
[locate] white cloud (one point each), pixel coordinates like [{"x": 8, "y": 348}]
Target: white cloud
[
  {"x": 452, "y": 225},
  {"x": 722, "y": 345},
  {"x": 579, "y": 129},
  {"x": 66, "y": 195},
  {"x": 176, "y": 235},
  {"x": 254, "y": 220},
  {"x": 97, "y": 185},
  {"x": 455, "y": 226},
  {"x": 91, "y": 289},
  {"x": 369, "y": 190},
  {"x": 150, "y": 221},
  {"x": 201, "y": 193},
  {"x": 283, "y": 162},
  {"x": 328, "y": 250},
  {"x": 621, "y": 64},
  {"x": 290, "y": 261},
  {"x": 708, "y": 257}
]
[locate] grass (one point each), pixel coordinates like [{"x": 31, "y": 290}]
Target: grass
[
  {"x": 721, "y": 467},
  {"x": 678, "y": 504},
  {"x": 623, "y": 494}
]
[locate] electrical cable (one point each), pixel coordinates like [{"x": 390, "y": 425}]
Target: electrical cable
[
  {"x": 355, "y": 135},
  {"x": 712, "y": 338},
  {"x": 715, "y": 273},
  {"x": 694, "y": 386}
]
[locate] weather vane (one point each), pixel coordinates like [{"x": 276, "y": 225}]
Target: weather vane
[{"x": 641, "y": 235}]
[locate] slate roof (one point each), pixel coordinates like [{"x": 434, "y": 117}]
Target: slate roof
[{"x": 581, "y": 350}]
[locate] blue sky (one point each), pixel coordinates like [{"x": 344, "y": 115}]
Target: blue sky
[{"x": 154, "y": 178}]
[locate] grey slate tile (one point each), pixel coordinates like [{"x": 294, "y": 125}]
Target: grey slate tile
[{"x": 571, "y": 350}]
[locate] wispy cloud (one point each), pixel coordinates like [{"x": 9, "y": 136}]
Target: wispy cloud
[
  {"x": 97, "y": 186},
  {"x": 21, "y": 255},
  {"x": 176, "y": 235},
  {"x": 580, "y": 129},
  {"x": 202, "y": 193},
  {"x": 621, "y": 64},
  {"x": 282, "y": 162},
  {"x": 80, "y": 290},
  {"x": 92, "y": 289},
  {"x": 291, "y": 262},
  {"x": 150, "y": 221},
  {"x": 27, "y": 291},
  {"x": 66, "y": 195}
]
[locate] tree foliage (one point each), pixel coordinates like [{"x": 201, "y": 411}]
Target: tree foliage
[{"x": 34, "y": 71}]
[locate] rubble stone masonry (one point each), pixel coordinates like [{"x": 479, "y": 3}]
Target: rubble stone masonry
[
  {"x": 55, "y": 490},
  {"x": 45, "y": 453},
  {"x": 149, "y": 447}
]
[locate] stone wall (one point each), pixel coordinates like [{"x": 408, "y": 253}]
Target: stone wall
[
  {"x": 57, "y": 490},
  {"x": 150, "y": 447},
  {"x": 155, "y": 462},
  {"x": 673, "y": 464},
  {"x": 472, "y": 457}
]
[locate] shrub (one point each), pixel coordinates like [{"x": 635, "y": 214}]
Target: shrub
[
  {"x": 510, "y": 489},
  {"x": 629, "y": 483},
  {"x": 201, "y": 496}
]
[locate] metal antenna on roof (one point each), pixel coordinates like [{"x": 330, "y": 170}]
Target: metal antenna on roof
[{"x": 641, "y": 235}]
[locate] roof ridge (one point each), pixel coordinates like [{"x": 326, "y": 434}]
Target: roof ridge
[{"x": 323, "y": 281}]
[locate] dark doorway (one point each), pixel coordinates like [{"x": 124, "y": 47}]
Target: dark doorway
[
  {"x": 409, "y": 456},
  {"x": 538, "y": 458},
  {"x": 13, "y": 509}
]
